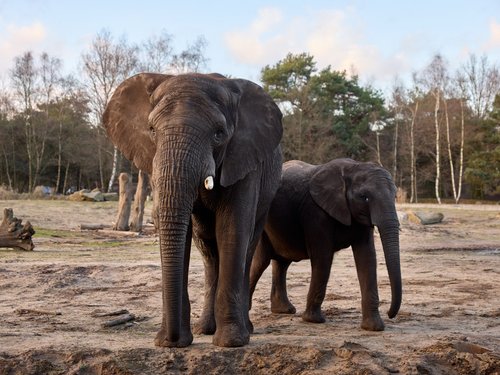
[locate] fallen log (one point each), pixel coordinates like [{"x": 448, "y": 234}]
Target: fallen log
[
  {"x": 113, "y": 232},
  {"x": 14, "y": 234},
  {"x": 100, "y": 314},
  {"x": 427, "y": 218},
  {"x": 36, "y": 312},
  {"x": 121, "y": 320},
  {"x": 424, "y": 218},
  {"x": 94, "y": 226}
]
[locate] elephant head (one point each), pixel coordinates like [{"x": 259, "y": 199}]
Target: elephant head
[
  {"x": 192, "y": 133},
  {"x": 365, "y": 193}
]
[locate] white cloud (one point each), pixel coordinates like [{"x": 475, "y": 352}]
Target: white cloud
[
  {"x": 262, "y": 37},
  {"x": 494, "y": 41},
  {"x": 332, "y": 37},
  {"x": 268, "y": 17},
  {"x": 15, "y": 40}
]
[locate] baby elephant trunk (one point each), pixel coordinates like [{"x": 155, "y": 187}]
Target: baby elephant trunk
[{"x": 390, "y": 243}]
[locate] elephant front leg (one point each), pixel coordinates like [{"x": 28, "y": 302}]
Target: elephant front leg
[
  {"x": 235, "y": 229},
  {"x": 230, "y": 298},
  {"x": 280, "y": 304},
  {"x": 320, "y": 273},
  {"x": 366, "y": 267}
]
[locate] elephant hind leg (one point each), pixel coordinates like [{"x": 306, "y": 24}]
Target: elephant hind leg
[
  {"x": 206, "y": 323},
  {"x": 280, "y": 304},
  {"x": 260, "y": 261}
]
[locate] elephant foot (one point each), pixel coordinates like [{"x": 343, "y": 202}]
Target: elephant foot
[
  {"x": 283, "y": 307},
  {"x": 185, "y": 339},
  {"x": 313, "y": 316},
  {"x": 249, "y": 326},
  {"x": 373, "y": 324},
  {"x": 231, "y": 335},
  {"x": 205, "y": 326}
]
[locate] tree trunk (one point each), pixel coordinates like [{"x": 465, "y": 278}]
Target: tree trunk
[
  {"x": 59, "y": 158},
  {"x": 450, "y": 156},
  {"x": 65, "y": 183},
  {"x": 395, "y": 150},
  {"x": 413, "y": 169},
  {"x": 139, "y": 200},
  {"x": 114, "y": 169},
  {"x": 27, "y": 127},
  {"x": 99, "y": 157},
  {"x": 39, "y": 147},
  {"x": 438, "y": 165},
  {"x": 124, "y": 202},
  {"x": 379, "y": 161},
  {"x": 14, "y": 234},
  {"x": 461, "y": 162},
  {"x": 7, "y": 173}
]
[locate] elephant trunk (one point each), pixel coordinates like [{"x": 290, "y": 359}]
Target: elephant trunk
[
  {"x": 176, "y": 183},
  {"x": 389, "y": 234}
]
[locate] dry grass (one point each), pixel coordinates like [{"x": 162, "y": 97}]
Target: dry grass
[{"x": 8, "y": 194}]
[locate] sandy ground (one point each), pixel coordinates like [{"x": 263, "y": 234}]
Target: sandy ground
[{"x": 52, "y": 299}]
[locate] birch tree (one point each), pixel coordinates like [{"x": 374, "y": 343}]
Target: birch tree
[
  {"x": 157, "y": 53},
  {"x": 7, "y": 144},
  {"x": 398, "y": 103},
  {"x": 434, "y": 78},
  {"x": 68, "y": 95},
  {"x": 23, "y": 77},
  {"x": 105, "y": 65},
  {"x": 192, "y": 59},
  {"x": 413, "y": 106},
  {"x": 49, "y": 75},
  {"x": 462, "y": 97},
  {"x": 481, "y": 81},
  {"x": 448, "y": 148},
  {"x": 413, "y": 167}
]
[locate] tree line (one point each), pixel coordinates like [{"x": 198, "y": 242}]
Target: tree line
[
  {"x": 50, "y": 124},
  {"x": 438, "y": 136}
]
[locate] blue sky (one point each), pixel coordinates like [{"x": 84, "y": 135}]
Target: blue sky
[{"x": 380, "y": 39}]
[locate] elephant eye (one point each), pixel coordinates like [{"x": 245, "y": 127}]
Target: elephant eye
[
  {"x": 152, "y": 131},
  {"x": 219, "y": 135},
  {"x": 364, "y": 197}
]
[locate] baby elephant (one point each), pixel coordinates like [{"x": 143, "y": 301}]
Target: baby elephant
[{"x": 320, "y": 209}]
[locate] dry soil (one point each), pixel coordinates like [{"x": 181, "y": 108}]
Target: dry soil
[{"x": 52, "y": 302}]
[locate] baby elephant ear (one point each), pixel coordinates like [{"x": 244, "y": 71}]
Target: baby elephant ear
[
  {"x": 126, "y": 118},
  {"x": 328, "y": 189},
  {"x": 257, "y": 132}
]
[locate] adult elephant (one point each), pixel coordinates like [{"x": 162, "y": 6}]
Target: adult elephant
[
  {"x": 319, "y": 210},
  {"x": 211, "y": 145}
]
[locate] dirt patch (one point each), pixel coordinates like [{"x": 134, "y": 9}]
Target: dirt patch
[{"x": 54, "y": 301}]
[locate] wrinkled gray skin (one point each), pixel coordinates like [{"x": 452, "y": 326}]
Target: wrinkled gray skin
[
  {"x": 319, "y": 210},
  {"x": 182, "y": 129}
]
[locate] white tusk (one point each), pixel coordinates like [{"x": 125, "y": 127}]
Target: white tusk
[{"x": 209, "y": 183}]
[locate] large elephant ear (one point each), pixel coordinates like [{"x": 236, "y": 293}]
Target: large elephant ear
[
  {"x": 126, "y": 118},
  {"x": 328, "y": 189},
  {"x": 257, "y": 132}
]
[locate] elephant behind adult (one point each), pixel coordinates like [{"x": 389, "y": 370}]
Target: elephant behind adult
[
  {"x": 319, "y": 210},
  {"x": 211, "y": 145}
]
